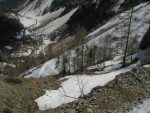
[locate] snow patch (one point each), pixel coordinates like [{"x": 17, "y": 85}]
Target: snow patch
[
  {"x": 116, "y": 28},
  {"x": 49, "y": 28},
  {"x": 51, "y": 67},
  {"x": 70, "y": 89},
  {"x": 143, "y": 108},
  {"x": 147, "y": 66}
]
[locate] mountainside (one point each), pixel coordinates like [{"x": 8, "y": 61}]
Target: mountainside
[{"x": 78, "y": 56}]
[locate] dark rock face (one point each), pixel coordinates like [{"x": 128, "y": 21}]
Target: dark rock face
[
  {"x": 91, "y": 14},
  {"x": 68, "y": 4},
  {"x": 146, "y": 40}
]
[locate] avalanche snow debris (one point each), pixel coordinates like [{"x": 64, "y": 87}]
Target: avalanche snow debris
[
  {"x": 70, "y": 89},
  {"x": 52, "y": 67}
]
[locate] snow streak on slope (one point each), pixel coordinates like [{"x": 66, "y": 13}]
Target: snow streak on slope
[
  {"x": 71, "y": 88},
  {"x": 36, "y": 8},
  {"x": 45, "y": 23},
  {"x": 117, "y": 26},
  {"x": 143, "y": 108},
  {"x": 49, "y": 28},
  {"x": 38, "y": 21},
  {"x": 48, "y": 17}
]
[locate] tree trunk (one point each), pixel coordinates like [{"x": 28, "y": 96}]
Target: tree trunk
[{"x": 126, "y": 47}]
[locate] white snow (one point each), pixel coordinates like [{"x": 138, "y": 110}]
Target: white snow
[
  {"x": 143, "y": 108},
  {"x": 48, "y": 17},
  {"x": 54, "y": 25},
  {"x": 72, "y": 88},
  {"x": 147, "y": 66},
  {"x": 27, "y": 22},
  {"x": 8, "y": 47},
  {"x": 32, "y": 10},
  {"x": 32, "y": 14},
  {"x": 118, "y": 25},
  {"x": 38, "y": 21},
  {"x": 49, "y": 68},
  {"x": 47, "y": 23},
  {"x": 110, "y": 65}
]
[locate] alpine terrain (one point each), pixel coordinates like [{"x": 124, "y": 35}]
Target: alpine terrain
[{"x": 74, "y": 56}]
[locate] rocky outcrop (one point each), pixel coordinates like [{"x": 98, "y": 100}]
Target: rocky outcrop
[{"x": 91, "y": 14}]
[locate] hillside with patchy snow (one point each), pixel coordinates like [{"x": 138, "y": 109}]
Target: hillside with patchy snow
[
  {"x": 77, "y": 56},
  {"x": 115, "y": 29}
]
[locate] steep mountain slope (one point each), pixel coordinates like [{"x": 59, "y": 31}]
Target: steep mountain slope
[
  {"x": 115, "y": 29},
  {"x": 40, "y": 17}
]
